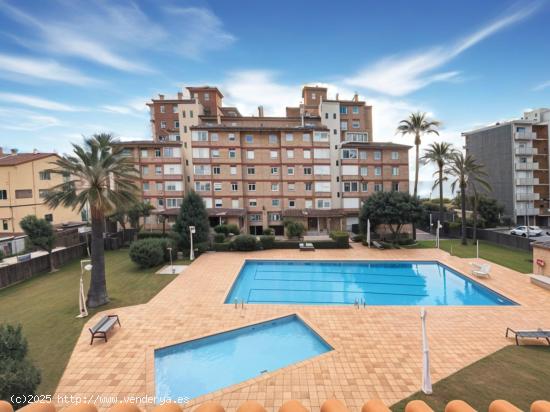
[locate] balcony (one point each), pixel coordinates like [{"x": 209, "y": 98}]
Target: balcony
[
  {"x": 526, "y": 151},
  {"x": 527, "y": 166},
  {"x": 528, "y": 181},
  {"x": 530, "y": 211},
  {"x": 525, "y": 136},
  {"x": 527, "y": 196}
]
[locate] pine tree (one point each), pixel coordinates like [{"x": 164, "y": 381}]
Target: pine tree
[{"x": 192, "y": 213}]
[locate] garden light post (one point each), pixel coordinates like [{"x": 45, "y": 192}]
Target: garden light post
[
  {"x": 85, "y": 266},
  {"x": 171, "y": 264},
  {"x": 192, "y": 251}
]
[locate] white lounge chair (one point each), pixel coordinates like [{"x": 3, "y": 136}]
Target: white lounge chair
[
  {"x": 306, "y": 246},
  {"x": 482, "y": 270}
]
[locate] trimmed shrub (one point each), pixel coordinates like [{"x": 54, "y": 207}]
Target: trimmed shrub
[
  {"x": 233, "y": 229},
  {"x": 19, "y": 378},
  {"x": 269, "y": 232},
  {"x": 147, "y": 253},
  {"x": 202, "y": 247},
  {"x": 358, "y": 238},
  {"x": 341, "y": 238},
  {"x": 245, "y": 242},
  {"x": 222, "y": 247},
  {"x": 150, "y": 235},
  {"x": 219, "y": 238},
  {"x": 267, "y": 241},
  {"x": 294, "y": 229},
  {"x": 165, "y": 243},
  {"x": 221, "y": 229}
]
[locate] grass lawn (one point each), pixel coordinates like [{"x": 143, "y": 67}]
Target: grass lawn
[
  {"x": 46, "y": 306},
  {"x": 519, "y": 374},
  {"x": 512, "y": 258}
]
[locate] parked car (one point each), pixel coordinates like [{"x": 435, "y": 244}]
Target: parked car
[{"x": 526, "y": 231}]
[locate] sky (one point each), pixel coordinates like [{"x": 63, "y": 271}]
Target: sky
[{"x": 73, "y": 68}]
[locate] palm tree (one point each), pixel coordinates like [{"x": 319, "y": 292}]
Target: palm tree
[
  {"x": 102, "y": 177},
  {"x": 439, "y": 154},
  {"x": 468, "y": 174}
]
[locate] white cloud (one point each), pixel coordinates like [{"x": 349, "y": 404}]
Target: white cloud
[
  {"x": 25, "y": 120},
  {"x": 541, "y": 86},
  {"x": 202, "y": 31},
  {"x": 399, "y": 75},
  {"x": 23, "y": 68},
  {"x": 37, "y": 102}
]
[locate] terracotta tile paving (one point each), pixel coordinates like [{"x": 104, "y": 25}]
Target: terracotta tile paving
[{"x": 377, "y": 348}]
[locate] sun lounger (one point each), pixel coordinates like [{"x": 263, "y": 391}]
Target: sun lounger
[
  {"x": 377, "y": 245},
  {"x": 100, "y": 329},
  {"x": 481, "y": 270},
  {"x": 529, "y": 334},
  {"x": 306, "y": 246}
]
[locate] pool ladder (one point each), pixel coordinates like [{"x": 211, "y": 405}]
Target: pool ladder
[
  {"x": 237, "y": 304},
  {"x": 358, "y": 304}
]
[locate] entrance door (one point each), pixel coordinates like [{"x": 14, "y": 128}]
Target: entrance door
[{"x": 312, "y": 224}]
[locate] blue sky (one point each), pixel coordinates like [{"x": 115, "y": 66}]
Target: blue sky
[{"x": 70, "y": 68}]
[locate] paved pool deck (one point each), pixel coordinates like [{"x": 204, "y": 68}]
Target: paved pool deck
[{"x": 377, "y": 348}]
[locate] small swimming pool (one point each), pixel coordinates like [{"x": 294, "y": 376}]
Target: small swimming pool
[
  {"x": 204, "y": 365},
  {"x": 368, "y": 282}
]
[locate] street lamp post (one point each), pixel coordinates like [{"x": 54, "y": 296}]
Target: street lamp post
[
  {"x": 192, "y": 251},
  {"x": 85, "y": 265},
  {"x": 171, "y": 264}
]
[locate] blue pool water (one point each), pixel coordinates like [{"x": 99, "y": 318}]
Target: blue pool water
[
  {"x": 204, "y": 365},
  {"x": 372, "y": 282}
]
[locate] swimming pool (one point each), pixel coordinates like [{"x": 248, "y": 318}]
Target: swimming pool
[
  {"x": 365, "y": 282},
  {"x": 194, "y": 368}
]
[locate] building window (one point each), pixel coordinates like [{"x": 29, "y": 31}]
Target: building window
[
  {"x": 308, "y": 186},
  {"x": 321, "y": 153},
  {"x": 320, "y": 137},
  {"x": 206, "y": 96},
  {"x": 349, "y": 154},
  {"x": 350, "y": 186},
  {"x": 355, "y": 124},
  {"x": 176, "y": 124},
  {"x": 174, "y": 108},
  {"x": 275, "y": 203},
  {"x": 158, "y": 170},
  {"x": 395, "y": 186},
  {"x": 290, "y": 170},
  {"x": 144, "y": 152},
  {"x": 159, "y": 186},
  {"x": 23, "y": 194},
  {"x": 163, "y": 125},
  {"x": 274, "y": 217},
  {"x": 157, "y": 152},
  {"x": 289, "y": 137},
  {"x": 355, "y": 110},
  {"x": 308, "y": 203},
  {"x": 344, "y": 125},
  {"x": 378, "y": 171},
  {"x": 308, "y": 171},
  {"x": 162, "y": 109},
  {"x": 231, "y": 137},
  {"x": 253, "y": 203},
  {"x": 274, "y": 170},
  {"x": 378, "y": 187},
  {"x": 5, "y": 225},
  {"x": 252, "y": 187},
  {"x": 217, "y": 170},
  {"x": 215, "y": 152},
  {"x": 217, "y": 187},
  {"x": 42, "y": 193},
  {"x": 306, "y": 137},
  {"x": 364, "y": 187},
  {"x": 249, "y": 138},
  {"x": 363, "y": 155},
  {"x": 235, "y": 203},
  {"x": 250, "y": 154},
  {"x": 395, "y": 171},
  {"x": 323, "y": 204},
  {"x": 233, "y": 170},
  {"x": 3, "y": 194},
  {"x": 48, "y": 217},
  {"x": 395, "y": 155},
  {"x": 274, "y": 187},
  {"x": 343, "y": 110},
  {"x": 364, "y": 171},
  {"x": 273, "y": 139},
  {"x": 173, "y": 202},
  {"x": 292, "y": 204},
  {"x": 307, "y": 154},
  {"x": 45, "y": 175},
  {"x": 291, "y": 187},
  {"x": 202, "y": 186},
  {"x": 250, "y": 170},
  {"x": 199, "y": 136},
  {"x": 234, "y": 186},
  {"x": 273, "y": 154},
  {"x": 146, "y": 186},
  {"x": 218, "y": 203},
  {"x": 255, "y": 218},
  {"x": 232, "y": 153},
  {"x": 191, "y": 114},
  {"x": 290, "y": 154},
  {"x": 377, "y": 155},
  {"x": 160, "y": 203},
  {"x": 214, "y": 137},
  {"x": 144, "y": 170}
]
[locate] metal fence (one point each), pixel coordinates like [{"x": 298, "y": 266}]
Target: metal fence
[{"x": 499, "y": 238}]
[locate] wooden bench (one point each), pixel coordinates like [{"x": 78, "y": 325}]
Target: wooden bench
[{"x": 100, "y": 329}]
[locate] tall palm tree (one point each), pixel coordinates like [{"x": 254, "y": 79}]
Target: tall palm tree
[
  {"x": 102, "y": 177},
  {"x": 468, "y": 173},
  {"x": 439, "y": 154}
]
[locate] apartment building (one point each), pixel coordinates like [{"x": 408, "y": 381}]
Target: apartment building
[
  {"x": 515, "y": 156},
  {"x": 24, "y": 180},
  {"x": 316, "y": 164}
]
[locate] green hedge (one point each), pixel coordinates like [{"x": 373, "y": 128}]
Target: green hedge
[
  {"x": 222, "y": 247},
  {"x": 245, "y": 243},
  {"x": 147, "y": 253},
  {"x": 341, "y": 239},
  {"x": 151, "y": 235},
  {"x": 267, "y": 241},
  {"x": 219, "y": 238}
]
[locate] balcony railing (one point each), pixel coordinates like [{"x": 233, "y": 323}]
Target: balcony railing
[
  {"x": 527, "y": 196},
  {"x": 527, "y": 166},
  {"x": 530, "y": 211},
  {"x": 527, "y": 181},
  {"x": 525, "y": 135},
  {"x": 527, "y": 151}
]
